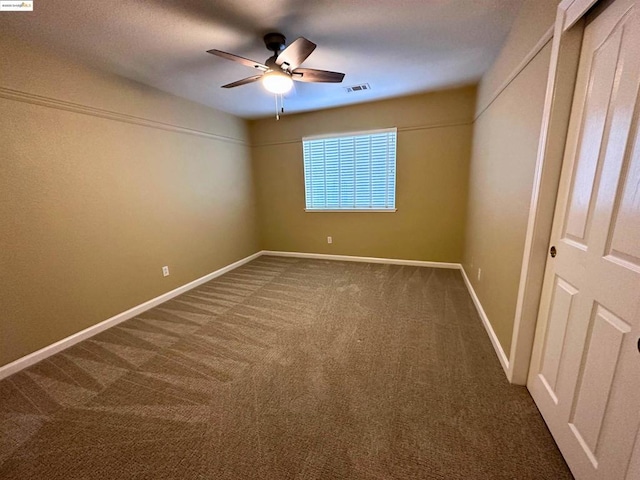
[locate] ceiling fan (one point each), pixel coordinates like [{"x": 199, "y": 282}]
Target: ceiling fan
[{"x": 279, "y": 70}]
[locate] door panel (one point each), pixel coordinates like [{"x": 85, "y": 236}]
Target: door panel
[
  {"x": 585, "y": 369},
  {"x": 595, "y": 379},
  {"x": 601, "y": 78},
  {"x": 559, "y": 317},
  {"x": 624, "y": 246}
]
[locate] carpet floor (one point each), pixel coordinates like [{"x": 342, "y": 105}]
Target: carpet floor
[{"x": 282, "y": 369}]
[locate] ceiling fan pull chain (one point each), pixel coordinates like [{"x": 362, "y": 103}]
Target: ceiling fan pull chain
[{"x": 280, "y": 107}]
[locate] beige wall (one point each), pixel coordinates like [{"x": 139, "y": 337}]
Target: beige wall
[
  {"x": 506, "y": 135},
  {"x": 93, "y": 204},
  {"x": 535, "y": 18},
  {"x": 434, "y": 142}
]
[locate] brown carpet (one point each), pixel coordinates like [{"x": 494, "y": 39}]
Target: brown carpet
[{"x": 282, "y": 369}]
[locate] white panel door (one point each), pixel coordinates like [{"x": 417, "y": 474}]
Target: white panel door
[{"x": 585, "y": 369}]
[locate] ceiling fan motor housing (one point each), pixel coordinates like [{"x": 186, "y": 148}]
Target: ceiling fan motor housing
[{"x": 275, "y": 42}]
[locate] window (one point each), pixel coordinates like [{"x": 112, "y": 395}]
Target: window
[{"x": 355, "y": 171}]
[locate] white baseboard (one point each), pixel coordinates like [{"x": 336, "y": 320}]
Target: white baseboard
[
  {"x": 350, "y": 258},
  {"x": 67, "y": 342},
  {"x": 504, "y": 360}
]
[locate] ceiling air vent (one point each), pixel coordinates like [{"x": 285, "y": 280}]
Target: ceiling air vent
[{"x": 358, "y": 88}]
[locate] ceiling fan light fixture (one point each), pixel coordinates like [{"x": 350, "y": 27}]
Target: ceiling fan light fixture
[{"x": 277, "y": 82}]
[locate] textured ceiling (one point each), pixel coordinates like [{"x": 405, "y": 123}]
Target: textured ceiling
[{"x": 398, "y": 47}]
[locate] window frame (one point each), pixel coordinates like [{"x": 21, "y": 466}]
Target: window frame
[{"x": 353, "y": 134}]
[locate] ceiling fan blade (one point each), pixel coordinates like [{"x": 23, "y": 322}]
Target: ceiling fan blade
[
  {"x": 296, "y": 53},
  {"x": 244, "y": 81},
  {"x": 313, "y": 75},
  {"x": 236, "y": 58}
]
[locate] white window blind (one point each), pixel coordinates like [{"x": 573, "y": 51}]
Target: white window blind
[{"x": 351, "y": 172}]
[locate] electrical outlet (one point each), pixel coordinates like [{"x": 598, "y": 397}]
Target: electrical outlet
[
  {"x": 165, "y": 271},
  {"x": 329, "y": 240},
  {"x": 479, "y": 273}
]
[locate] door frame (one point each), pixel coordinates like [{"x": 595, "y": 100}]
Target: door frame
[{"x": 563, "y": 68}]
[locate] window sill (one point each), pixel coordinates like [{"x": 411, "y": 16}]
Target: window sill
[{"x": 368, "y": 210}]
